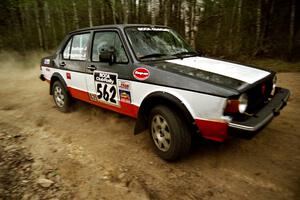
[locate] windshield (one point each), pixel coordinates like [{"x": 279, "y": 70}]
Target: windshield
[{"x": 153, "y": 43}]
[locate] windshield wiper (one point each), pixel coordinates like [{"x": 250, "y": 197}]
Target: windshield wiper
[
  {"x": 154, "y": 55},
  {"x": 182, "y": 54}
]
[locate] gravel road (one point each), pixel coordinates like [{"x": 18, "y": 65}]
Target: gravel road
[{"x": 92, "y": 153}]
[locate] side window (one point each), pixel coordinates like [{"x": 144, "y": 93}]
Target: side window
[
  {"x": 76, "y": 48},
  {"x": 79, "y": 47},
  {"x": 66, "y": 53},
  {"x": 108, "y": 41}
]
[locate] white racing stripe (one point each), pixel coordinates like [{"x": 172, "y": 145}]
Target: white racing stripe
[{"x": 239, "y": 72}]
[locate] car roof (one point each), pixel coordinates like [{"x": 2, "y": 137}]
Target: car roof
[{"x": 119, "y": 26}]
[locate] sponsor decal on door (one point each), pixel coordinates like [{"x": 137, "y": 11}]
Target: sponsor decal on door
[
  {"x": 106, "y": 87},
  {"x": 141, "y": 73},
  {"x": 125, "y": 96}
]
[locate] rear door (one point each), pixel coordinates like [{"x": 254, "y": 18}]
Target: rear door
[
  {"x": 73, "y": 62},
  {"x": 108, "y": 84}
]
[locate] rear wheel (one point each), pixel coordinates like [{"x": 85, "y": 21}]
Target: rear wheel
[
  {"x": 61, "y": 97},
  {"x": 169, "y": 133}
]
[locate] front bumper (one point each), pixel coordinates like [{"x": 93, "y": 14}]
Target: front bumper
[{"x": 262, "y": 117}]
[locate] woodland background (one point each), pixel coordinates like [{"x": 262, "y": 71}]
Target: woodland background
[{"x": 223, "y": 28}]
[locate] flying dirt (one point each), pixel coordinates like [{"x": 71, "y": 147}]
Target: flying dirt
[{"x": 91, "y": 153}]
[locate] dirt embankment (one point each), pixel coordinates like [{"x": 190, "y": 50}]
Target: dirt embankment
[{"x": 91, "y": 153}]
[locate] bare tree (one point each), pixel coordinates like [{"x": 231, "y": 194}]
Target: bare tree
[
  {"x": 62, "y": 16},
  {"x": 38, "y": 24},
  {"x": 218, "y": 28},
  {"x": 90, "y": 11},
  {"x": 292, "y": 26},
  {"x": 75, "y": 15},
  {"x": 153, "y": 14},
  {"x": 113, "y": 8},
  {"x": 125, "y": 11},
  {"x": 231, "y": 27},
  {"x": 258, "y": 24}
]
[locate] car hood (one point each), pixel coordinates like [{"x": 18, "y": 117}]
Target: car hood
[
  {"x": 206, "y": 75},
  {"x": 232, "y": 70}
]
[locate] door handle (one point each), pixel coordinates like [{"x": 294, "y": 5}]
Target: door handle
[
  {"x": 92, "y": 67},
  {"x": 62, "y": 64}
]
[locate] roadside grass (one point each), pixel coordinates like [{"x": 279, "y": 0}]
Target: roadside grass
[{"x": 274, "y": 64}]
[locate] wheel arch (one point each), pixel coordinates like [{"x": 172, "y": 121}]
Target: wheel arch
[
  {"x": 156, "y": 98},
  {"x": 57, "y": 77}
]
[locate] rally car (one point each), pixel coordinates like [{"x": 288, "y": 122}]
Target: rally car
[{"x": 150, "y": 73}]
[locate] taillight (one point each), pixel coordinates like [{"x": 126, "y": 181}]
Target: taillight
[
  {"x": 232, "y": 106},
  {"x": 239, "y": 105}
]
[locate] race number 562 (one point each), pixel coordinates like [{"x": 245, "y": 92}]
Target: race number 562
[{"x": 107, "y": 92}]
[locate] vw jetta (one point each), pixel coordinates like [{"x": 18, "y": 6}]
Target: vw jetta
[{"x": 150, "y": 73}]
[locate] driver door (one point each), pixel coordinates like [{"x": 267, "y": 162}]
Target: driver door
[{"x": 103, "y": 76}]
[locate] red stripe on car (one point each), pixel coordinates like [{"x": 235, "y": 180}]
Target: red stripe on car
[
  {"x": 125, "y": 108},
  {"x": 213, "y": 130}
]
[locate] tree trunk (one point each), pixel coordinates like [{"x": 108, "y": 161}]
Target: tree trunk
[
  {"x": 218, "y": 31},
  {"x": 232, "y": 20},
  {"x": 20, "y": 25},
  {"x": 62, "y": 18},
  {"x": 102, "y": 13},
  {"x": 47, "y": 25},
  {"x": 152, "y": 7},
  {"x": 165, "y": 12},
  {"x": 196, "y": 22},
  {"x": 292, "y": 26},
  {"x": 239, "y": 24},
  {"x": 137, "y": 11},
  {"x": 75, "y": 15},
  {"x": 38, "y": 25},
  {"x": 125, "y": 11},
  {"x": 113, "y": 8},
  {"x": 258, "y": 25},
  {"x": 192, "y": 21},
  {"x": 90, "y": 10}
]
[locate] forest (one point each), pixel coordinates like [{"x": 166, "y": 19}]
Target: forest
[{"x": 223, "y": 28}]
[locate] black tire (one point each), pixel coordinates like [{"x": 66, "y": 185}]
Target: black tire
[
  {"x": 61, "y": 97},
  {"x": 169, "y": 143}
]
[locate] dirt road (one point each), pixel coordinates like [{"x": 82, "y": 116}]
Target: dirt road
[{"x": 91, "y": 153}]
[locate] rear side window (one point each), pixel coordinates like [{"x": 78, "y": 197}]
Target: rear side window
[
  {"x": 76, "y": 48},
  {"x": 66, "y": 53}
]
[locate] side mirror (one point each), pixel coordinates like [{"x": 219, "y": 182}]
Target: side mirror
[{"x": 107, "y": 55}]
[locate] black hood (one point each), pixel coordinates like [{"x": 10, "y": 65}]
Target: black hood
[
  {"x": 172, "y": 75},
  {"x": 200, "y": 75},
  {"x": 182, "y": 77}
]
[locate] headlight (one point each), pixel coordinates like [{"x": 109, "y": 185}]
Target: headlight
[
  {"x": 243, "y": 103},
  {"x": 274, "y": 85}
]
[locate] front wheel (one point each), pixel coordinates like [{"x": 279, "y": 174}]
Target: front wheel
[
  {"x": 169, "y": 133},
  {"x": 61, "y": 97}
]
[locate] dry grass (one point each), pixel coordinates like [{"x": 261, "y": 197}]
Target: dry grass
[{"x": 273, "y": 64}]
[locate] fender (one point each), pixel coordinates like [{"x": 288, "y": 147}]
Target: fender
[
  {"x": 57, "y": 76},
  {"x": 154, "y": 99}
]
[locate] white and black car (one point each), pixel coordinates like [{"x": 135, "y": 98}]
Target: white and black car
[{"x": 151, "y": 74}]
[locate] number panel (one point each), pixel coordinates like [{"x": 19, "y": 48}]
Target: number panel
[{"x": 106, "y": 87}]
